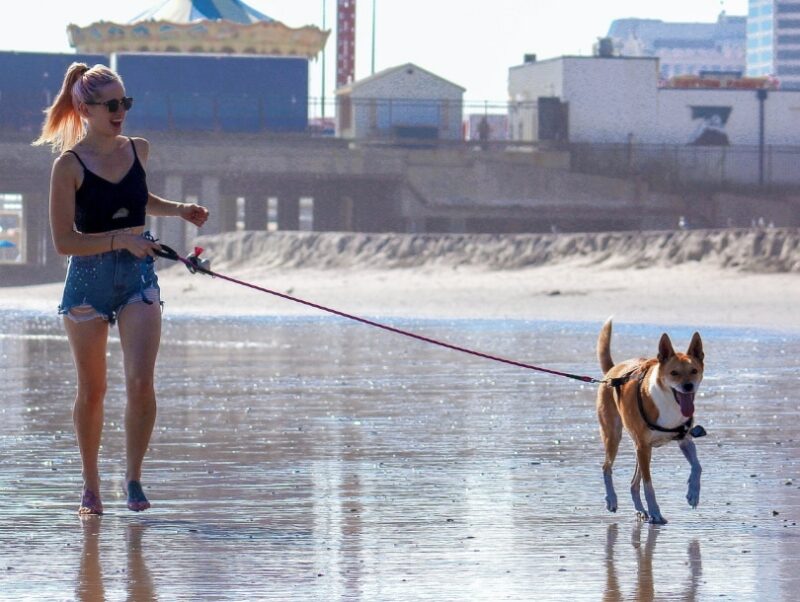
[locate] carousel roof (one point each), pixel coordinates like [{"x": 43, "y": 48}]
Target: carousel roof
[
  {"x": 187, "y": 11},
  {"x": 210, "y": 26}
]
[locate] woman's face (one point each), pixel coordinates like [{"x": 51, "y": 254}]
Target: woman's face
[{"x": 98, "y": 114}]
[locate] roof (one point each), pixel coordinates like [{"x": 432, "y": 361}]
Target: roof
[
  {"x": 389, "y": 71},
  {"x": 187, "y": 11}
]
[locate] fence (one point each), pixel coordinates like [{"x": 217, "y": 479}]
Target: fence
[{"x": 673, "y": 165}]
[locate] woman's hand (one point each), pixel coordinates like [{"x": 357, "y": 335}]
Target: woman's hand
[
  {"x": 194, "y": 214},
  {"x": 136, "y": 244}
]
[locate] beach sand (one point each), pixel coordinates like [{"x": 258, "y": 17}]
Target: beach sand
[
  {"x": 637, "y": 278},
  {"x": 313, "y": 459}
]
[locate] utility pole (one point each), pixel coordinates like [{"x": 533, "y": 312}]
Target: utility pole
[
  {"x": 322, "y": 99},
  {"x": 373, "y": 36},
  {"x": 761, "y": 94}
]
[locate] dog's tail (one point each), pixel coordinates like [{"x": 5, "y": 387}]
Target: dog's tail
[{"x": 604, "y": 347}]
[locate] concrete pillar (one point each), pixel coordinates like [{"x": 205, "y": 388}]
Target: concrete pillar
[
  {"x": 228, "y": 209},
  {"x": 288, "y": 212},
  {"x": 172, "y": 230},
  {"x": 330, "y": 214},
  {"x": 210, "y": 198},
  {"x": 37, "y": 246},
  {"x": 255, "y": 213}
]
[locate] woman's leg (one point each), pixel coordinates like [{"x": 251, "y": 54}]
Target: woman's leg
[
  {"x": 88, "y": 342},
  {"x": 140, "y": 333}
]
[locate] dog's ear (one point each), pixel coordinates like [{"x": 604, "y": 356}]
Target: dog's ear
[
  {"x": 665, "y": 350},
  {"x": 696, "y": 348}
]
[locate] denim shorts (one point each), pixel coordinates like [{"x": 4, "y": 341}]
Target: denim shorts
[{"x": 101, "y": 285}]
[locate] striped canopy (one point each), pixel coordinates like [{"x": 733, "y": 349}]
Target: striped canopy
[{"x": 187, "y": 11}]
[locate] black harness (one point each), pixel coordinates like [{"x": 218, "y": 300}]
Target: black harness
[{"x": 680, "y": 431}]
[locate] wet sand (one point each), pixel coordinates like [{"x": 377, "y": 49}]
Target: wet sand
[{"x": 306, "y": 457}]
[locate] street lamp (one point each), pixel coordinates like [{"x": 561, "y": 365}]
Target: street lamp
[{"x": 761, "y": 95}]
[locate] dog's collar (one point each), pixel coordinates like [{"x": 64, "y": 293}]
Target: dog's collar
[{"x": 680, "y": 431}]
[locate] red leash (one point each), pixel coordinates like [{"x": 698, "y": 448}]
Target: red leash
[{"x": 195, "y": 264}]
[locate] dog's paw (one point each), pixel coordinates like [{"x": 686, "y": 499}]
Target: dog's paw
[
  {"x": 642, "y": 516},
  {"x": 693, "y": 497},
  {"x": 611, "y": 503},
  {"x": 657, "y": 519}
]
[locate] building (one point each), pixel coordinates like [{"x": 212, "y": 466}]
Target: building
[
  {"x": 773, "y": 41},
  {"x": 402, "y": 102},
  {"x": 603, "y": 100},
  {"x": 684, "y": 48}
]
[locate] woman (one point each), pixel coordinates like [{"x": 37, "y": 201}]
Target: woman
[{"x": 98, "y": 202}]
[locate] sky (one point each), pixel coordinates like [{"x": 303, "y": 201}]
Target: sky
[{"x": 471, "y": 43}]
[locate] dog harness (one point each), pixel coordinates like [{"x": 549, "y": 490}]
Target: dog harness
[{"x": 680, "y": 431}]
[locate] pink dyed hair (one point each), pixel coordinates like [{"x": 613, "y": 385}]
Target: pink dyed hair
[{"x": 63, "y": 127}]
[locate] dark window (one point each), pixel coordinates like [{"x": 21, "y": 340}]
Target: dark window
[
  {"x": 788, "y": 55},
  {"x": 791, "y": 7},
  {"x": 788, "y": 39},
  {"x": 788, "y": 23},
  {"x": 788, "y": 70}
]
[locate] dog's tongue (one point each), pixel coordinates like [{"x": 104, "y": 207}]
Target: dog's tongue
[{"x": 686, "y": 401}]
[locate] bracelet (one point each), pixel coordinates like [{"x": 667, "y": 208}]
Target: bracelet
[{"x": 112, "y": 241}]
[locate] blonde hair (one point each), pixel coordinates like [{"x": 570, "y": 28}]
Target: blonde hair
[{"x": 63, "y": 126}]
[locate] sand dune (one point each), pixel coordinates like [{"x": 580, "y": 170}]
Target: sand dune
[{"x": 756, "y": 250}]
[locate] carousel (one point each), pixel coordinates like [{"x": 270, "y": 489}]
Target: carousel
[{"x": 193, "y": 26}]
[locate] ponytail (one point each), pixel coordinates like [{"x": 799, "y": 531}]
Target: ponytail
[{"x": 63, "y": 126}]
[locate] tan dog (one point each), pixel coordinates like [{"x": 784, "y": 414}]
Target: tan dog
[{"x": 654, "y": 400}]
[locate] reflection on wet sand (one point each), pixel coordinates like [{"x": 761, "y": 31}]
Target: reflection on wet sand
[
  {"x": 90, "y": 585},
  {"x": 645, "y": 587},
  {"x": 304, "y": 459}
]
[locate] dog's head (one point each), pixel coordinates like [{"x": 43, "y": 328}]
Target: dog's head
[{"x": 681, "y": 372}]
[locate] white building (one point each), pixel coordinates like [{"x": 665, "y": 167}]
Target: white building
[
  {"x": 619, "y": 100},
  {"x": 773, "y": 41},
  {"x": 402, "y": 102}
]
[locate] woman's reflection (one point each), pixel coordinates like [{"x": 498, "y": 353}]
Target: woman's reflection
[
  {"x": 140, "y": 582},
  {"x": 90, "y": 586},
  {"x": 90, "y": 575}
]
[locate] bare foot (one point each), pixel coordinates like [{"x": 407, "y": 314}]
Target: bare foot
[
  {"x": 90, "y": 503},
  {"x": 137, "y": 501}
]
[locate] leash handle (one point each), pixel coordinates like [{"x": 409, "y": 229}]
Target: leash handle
[{"x": 167, "y": 252}]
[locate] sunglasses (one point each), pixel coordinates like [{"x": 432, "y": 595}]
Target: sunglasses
[{"x": 114, "y": 104}]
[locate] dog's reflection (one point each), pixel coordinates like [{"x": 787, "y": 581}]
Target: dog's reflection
[
  {"x": 90, "y": 586},
  {"x": 645, "y": 585}
]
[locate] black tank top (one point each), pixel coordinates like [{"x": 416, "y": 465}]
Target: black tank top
[{"x": 101, "y": 205}]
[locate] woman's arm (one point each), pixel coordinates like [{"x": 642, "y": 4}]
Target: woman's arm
[
  {"x": 161, "y": 207},
  {"x": 62, "y": 218},
  {"x": 191, "y": 212}
]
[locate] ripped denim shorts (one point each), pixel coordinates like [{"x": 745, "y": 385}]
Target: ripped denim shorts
[{"x": 101, "y": 285}]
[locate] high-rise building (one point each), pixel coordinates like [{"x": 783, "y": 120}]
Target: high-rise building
[
  {"x": 684, "y": 48},
  {"x": 773, "y": 41}
]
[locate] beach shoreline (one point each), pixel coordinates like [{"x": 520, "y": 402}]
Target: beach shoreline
[{"x": 689, "y": 295}]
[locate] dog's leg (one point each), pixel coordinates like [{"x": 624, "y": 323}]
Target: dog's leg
[
  {"x": 611, "y": 432},
  {"x": 643, "y": 454},
  {"x": 690, "y": 452},
  {"x": 635, "y": 495}
]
